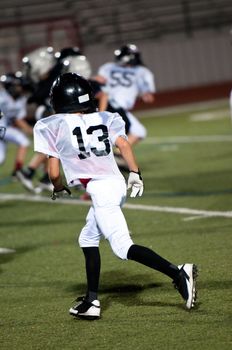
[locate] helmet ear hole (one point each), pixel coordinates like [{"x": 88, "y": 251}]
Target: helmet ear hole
[{"x": 72, "y": 93}]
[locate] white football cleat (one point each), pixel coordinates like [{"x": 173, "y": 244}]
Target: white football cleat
[
  {"x": 25, "y": 180},
  {"x": 86, "y": 309},
  {"x": 186, "y": 284}
]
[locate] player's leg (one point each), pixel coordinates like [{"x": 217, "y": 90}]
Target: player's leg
[
  {"x": 108, "y": 195},
  {"x": 89, "y": 306},
  {"x": 29, "y": 171},
  {"x": 112, "y": 224},
  {"x": 14, "y": 135},
  {"x": 2, "y": 151},
  {"x": 20, "y": 157},
  {"x": 184, "y": 276},
  {"x": 137, "y": 131},
  {"x": 27, "y": 174},
  {"x": 89, "y": 239}
]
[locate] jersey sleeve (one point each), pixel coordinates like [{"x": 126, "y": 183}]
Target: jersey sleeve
[
  {"x": 146, "y": 81},
  {"x": 44, "y": 140},
  {"x": 117, "y": 128},
  {"x": 104, "y": 70}
]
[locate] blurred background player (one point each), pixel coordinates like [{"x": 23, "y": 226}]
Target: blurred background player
[
  {"x": 2, "y": 127},
  {"x": 42, "y": 67},
  {"x": 39, "y": 69},
  {"x": 13, "y": 99},
  {"x": 126, "y": 80}
]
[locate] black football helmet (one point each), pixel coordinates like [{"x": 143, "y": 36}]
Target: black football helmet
[
  {"x": 128, "y": 54},
  {"x": 14, "y": 83},
  {"x": 72, "y": 60},
  {"x": 72, "y": 93},
  {"x": 68, "y": 51},
  {"x": 38, "y": 63}
]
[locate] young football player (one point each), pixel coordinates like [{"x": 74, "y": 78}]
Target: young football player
[
  {"x": 81, "y": 140},
  {"x": 13, "y": 97},
  {"x": 42, "y": 67},
  {"x": 126, "y": 79}
]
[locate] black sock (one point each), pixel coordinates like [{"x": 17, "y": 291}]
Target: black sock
[
  {"x": 45, "y": 178},
  {"x": 93, "y": 266},
  {"x": 149, "y": 258},
  {"x": 29, "y": 172}
]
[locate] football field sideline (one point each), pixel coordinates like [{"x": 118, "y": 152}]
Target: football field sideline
[{"x": 194, "y": 213}]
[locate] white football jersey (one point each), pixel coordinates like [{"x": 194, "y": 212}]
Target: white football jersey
[
  {"x": 82, "y": 142},
  {"x": 11, "y": 108},
  {"x": 124, "y": 84}
]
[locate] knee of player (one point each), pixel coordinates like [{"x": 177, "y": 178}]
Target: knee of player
[
  {"x": 86, "y": 241},
  {"x": 120, "y": 247},
  {"x": 81, "y": 241},
  {"x": 143, "y": 133}
]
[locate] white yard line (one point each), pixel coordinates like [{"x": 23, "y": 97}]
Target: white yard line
[
  {"x": 6, "y": 250},
  {"x": 193, "y": 213}
]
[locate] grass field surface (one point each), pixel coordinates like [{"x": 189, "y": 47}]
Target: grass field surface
[{"x": 185, "y": 215}]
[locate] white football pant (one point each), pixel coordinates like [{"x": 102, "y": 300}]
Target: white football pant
[
  {"x": 12, "y": 135},
  {"x": 105, "y": 217},
  {"x": 136, "y": 128}
]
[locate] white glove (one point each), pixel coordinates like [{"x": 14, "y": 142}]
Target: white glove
[
  {"x": 63, "y": 193},
  {"x": 135, "y": 182}
]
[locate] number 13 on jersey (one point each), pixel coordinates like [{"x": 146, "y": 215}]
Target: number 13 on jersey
[{"x": 99, "y": 145}]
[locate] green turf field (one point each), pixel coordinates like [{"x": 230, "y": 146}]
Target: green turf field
[{"x": 185, "y": 215}]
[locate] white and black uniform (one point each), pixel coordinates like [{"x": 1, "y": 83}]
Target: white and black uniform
[
  {"x": 83, "y": 143},
  {"x": 124, "y": 84},
  {"x": 12, "y": 109}
]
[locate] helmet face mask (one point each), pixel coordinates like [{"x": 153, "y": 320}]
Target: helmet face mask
[
  {"x": 71, "y": 93},
  {"x": 128, "y": 55}
]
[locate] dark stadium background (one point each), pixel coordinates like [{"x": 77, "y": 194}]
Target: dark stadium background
[{"x": 187, "y": 44}]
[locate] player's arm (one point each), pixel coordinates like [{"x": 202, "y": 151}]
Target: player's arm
[
  {"x": 127, "y": 153},
  {"x": 148, "y": 97},
  {"x": 100, "y": 79},
  {"x": 102, "y": 98},
  {"x": 54, "y": 173},
  {"x": 56, "y": 178},
  {"x": 24, "y": 126},
  {"x": 147, "y": 85},
  {"x": 135, "y": 181}
]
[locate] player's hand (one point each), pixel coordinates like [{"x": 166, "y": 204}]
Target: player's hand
[
  {"x": 64, "y": 192},
  {"x": 135, "y": 182}
]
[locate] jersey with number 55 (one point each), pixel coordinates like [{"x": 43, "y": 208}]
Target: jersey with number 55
[
  {"x": 82, "y": 142},
  {"x": 124, "y": 84}
]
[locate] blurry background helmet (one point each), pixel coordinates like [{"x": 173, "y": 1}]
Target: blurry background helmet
[
  {"x": 72, "y": 93},
  {"x": 38, "y": 63},
  {"x": 128, "y": 54},
  {"x": 73, "y": 61},
  {"x": 14, "y": 83}
]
